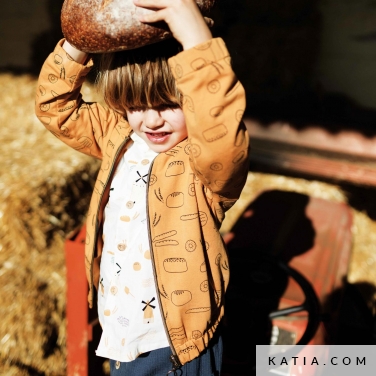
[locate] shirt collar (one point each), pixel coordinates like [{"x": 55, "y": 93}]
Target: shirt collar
[{"x": 141, "y": 144}]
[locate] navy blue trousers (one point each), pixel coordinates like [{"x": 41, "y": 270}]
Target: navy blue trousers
[{"x": 157, "y": 363}]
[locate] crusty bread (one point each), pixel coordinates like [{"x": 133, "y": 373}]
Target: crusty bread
[{"x": 96, "y": 26}]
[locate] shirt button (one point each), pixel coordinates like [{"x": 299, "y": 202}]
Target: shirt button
[
  {"x": 117, "y": 364},
  {"x": 121, "y": 247},
  {"x": 145, "y": 162},
  {"x": 130, "y": 204}
]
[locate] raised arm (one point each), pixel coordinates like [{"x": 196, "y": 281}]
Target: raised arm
[
  {"x": 214, "y": 100},
  {"x": 60, "y": 107},
  {"x": 214, "y": 103}
]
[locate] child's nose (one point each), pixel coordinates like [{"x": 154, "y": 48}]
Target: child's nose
[{"x": 153, "y": 118}]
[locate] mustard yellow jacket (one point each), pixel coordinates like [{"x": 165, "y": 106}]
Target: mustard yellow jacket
[{"x": 190, "y": 187}]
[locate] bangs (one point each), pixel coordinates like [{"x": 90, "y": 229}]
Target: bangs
[{"x": 139, "y": 78}]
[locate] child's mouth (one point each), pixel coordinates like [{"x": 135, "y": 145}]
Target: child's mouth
[{"x": 157, "y": 137}]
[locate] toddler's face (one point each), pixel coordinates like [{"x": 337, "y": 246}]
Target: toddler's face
[{"x": 161, "y": 128}]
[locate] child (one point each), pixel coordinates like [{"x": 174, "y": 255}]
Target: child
[{"x": 174, "y": 157}]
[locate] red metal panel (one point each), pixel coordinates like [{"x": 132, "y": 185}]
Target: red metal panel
[
  {"x": 343, "y": 156},
  {"x": 342, "y": 142},
  {"x": 325, "y": 264},
  {"x": 78, "y": 332}
]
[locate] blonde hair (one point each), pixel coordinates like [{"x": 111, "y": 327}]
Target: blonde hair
[{"x": 139, "y": 78}]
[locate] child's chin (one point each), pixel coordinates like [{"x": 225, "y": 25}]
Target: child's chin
[{"x": 160, "y": 148}]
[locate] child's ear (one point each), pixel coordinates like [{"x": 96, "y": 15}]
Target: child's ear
[
  {"x": 120, "y": 112},
  {"x": 209, "y": 21}
]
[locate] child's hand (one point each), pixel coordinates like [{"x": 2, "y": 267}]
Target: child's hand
[{"x": 183, "y": 17}]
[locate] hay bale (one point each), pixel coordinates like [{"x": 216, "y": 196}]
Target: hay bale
[
  {"x": 363, "y": 261},
  {"x": 11, "y": 370},
  {"x": 31, "y": 318},
  {"x": 45, "y": 188}
]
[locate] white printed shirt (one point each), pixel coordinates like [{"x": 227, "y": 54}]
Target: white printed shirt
[{"x": 128, "y": 309}]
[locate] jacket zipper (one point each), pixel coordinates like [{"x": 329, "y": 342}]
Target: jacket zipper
[
  {"x": 99, "y": 205},
  {"x": 174, "y": 357}
]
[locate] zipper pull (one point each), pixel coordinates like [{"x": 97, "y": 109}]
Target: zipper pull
[{"x": 175, "y": 366}]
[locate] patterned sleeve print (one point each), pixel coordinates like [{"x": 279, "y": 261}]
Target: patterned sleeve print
[
  {"x": 213, "y": 107},
  {"x": 61, "y": 109}
]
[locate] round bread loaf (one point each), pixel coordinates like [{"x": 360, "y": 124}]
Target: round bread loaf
[{"x": 96, "y": 26}]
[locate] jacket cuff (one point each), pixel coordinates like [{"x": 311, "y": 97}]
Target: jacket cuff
[
  {"x": 69, "y": 68},
  {"x": 198, "y": 57}
]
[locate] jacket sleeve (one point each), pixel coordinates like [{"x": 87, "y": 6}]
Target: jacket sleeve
[
  {"x": 60, "y": 107},
  {"x": 213, "y": 104}
]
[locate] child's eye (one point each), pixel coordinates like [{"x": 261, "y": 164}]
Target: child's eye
[
  {"x": 164, "y": 107},
  {"x": 135, "y": 109}
]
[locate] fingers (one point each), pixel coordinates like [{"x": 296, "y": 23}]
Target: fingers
[
  {"x": 154, "y": 6},
  {"x": 155, "y": 3},
  {"x": 183, "y": 18},
  {"x": 152, "y": 17},
  {"x": 150, "y": 4}
]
